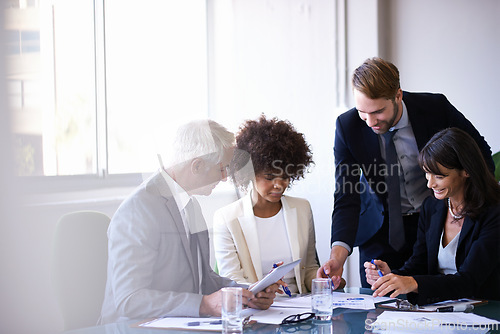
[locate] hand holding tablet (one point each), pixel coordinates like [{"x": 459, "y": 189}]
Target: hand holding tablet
[{"x": 274, "y": 276}]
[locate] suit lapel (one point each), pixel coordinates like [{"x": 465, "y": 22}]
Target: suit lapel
[
  {"x": 249, "y": 229},
  {"x": 371, "y": 160},
  {"x": 295, "y": 241},
  {"x": 466, "y": 229},
  {"x": 372, "y": 149},
  {"x": 434, "y": 234},
  {"x": 173, "y": 209},
  {"x": 292, "y": 228}
]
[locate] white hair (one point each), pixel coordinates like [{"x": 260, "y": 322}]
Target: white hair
[{"x": 204, "y": 139}]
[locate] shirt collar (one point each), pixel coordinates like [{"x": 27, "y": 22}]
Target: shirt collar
[{"x": 404, "y": 121}]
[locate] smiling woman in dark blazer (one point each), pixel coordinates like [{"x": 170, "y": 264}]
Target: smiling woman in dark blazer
[{"x": 457, "y": 252}]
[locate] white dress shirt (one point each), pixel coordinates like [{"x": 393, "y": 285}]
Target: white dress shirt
[{"x": 275, "y": 246}]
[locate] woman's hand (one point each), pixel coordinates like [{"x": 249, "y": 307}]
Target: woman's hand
[
  {"x": 395, "y": 283},
  {"x": 372, "y": 270}
]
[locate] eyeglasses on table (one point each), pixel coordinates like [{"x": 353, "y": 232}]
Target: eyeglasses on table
[{"x": 296, "y": 318}]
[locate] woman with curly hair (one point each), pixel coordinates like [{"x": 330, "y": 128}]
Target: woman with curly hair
[{"x": 265, "y": 227}]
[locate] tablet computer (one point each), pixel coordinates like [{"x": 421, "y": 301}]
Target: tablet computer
[{"x": 274, "y": 276}]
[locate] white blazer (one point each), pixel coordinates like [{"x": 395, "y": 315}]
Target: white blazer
[{"x": 236, "y": 241}]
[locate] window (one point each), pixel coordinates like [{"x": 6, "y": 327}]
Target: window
[
  {"x": 51, "y": 87},
  {"x": 96, "y": 88},
  {"x": 156, "y": 77}
]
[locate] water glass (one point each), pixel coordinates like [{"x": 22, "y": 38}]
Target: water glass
[
  {"x": 322, "y": 327},
  {"x": 322, "y": 299},
  {"x": 232, "y": 321}
]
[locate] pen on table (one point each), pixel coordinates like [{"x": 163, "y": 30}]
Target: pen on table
[
  {"x": 329, "y": 278},
  {"x": 199, "y": 323},
  {"x": 285, "y": 288},
  {"x": 378, "y": 270},
  {"x": 456, "y": 308}
]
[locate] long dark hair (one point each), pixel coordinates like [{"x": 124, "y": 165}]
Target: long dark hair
[{"x": 455, "y": 149}]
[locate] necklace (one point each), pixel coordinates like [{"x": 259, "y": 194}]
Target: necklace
[{"x": 451, "y": 211}]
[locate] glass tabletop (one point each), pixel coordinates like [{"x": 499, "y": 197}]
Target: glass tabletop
[{"x": 343, "y": 321}]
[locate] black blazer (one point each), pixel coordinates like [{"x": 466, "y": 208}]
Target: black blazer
[
  {"x": 357, "y": 148},
  {"x": 477, "y": 258}
]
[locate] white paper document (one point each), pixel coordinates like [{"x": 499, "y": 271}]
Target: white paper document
[
  {"x": 293, "y": 302},
  {"x": 275, "y": 315},
  {"x": 196, "y": 324},
  {"x": 340, "y": 300},
  {"x": 418, "y": 322},
  {"x": 353, "y": 301}
]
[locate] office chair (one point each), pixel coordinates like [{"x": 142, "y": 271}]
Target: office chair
[{"x": 79, "y": 266}]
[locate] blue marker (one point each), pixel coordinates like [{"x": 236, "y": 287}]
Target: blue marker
[
  {"x": 285, "y": 288},
  {"x": 378, "y": 270},
  {"x": 329, "y": 278},
  {"x": 199, "y": 323}
]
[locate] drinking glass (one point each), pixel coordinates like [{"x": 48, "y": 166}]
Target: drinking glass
[
  {"x": 322, "y": 299},
  {"x": 232, "y": 321}
]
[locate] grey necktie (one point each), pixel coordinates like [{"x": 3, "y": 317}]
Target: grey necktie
[
  {"x": 396, "y": 228},
  {"x": 193, "y": 244},
  {"x": 193, "y": 241}
]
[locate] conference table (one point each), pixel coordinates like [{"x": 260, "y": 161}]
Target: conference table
[{"x": 343, "y": 321}]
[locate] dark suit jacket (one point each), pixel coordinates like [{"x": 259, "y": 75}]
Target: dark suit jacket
[
  {"x": 477, "y": 257},
  {"x": 357, "y": 147}
]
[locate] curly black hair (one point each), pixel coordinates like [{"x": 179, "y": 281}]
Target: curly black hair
[{"x": 274, "y": 146}]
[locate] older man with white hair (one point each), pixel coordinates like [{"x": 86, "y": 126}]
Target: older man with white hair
[{"x": 158, "y": 261}]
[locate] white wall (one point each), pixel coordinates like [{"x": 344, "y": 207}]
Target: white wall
[
  {"x": 452, "y": 47},
  {"x": 363, "y": 40},
  {"x": 8, "y": 200},
  {"x": 278, "y": 58},
  {"x": 446, "y": 46}
]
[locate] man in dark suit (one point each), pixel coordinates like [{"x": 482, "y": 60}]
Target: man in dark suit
[{"x": 379, "y": 184}]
